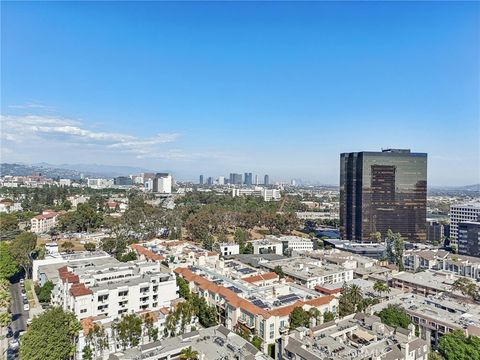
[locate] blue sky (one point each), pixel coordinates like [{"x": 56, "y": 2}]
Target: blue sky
[{"x": 213, "y": 88}]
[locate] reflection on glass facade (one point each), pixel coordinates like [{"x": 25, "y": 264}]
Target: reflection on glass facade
[{"x": 381, "y": 191}]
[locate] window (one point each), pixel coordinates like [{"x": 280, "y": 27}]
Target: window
[
  {"x": 82, "y": 311},
  {"x": 262, "y": 329},
  {"x": 272, "y": 331}
]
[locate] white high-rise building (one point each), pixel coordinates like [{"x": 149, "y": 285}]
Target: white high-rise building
[
  {"x": 462, "y": 213},
  {"x": 162, "y": 183},
  {"x": 221, "y": 180}
]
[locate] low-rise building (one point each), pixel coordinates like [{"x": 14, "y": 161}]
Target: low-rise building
[
  {"x": 296, "y": 243},
  {"x": 436, "y": 315},
  {"x": 9, "y": 206},
  {"x": 269, "y": 245},
  {"x": 43, "y": 222},
  {"x": 358, "y": 336},
  {"x": 212, "y": 343},
  {"x": 311, "y": 272},
  {"x": 227, "y": 249}
]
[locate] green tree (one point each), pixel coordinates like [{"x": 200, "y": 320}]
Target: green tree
[
  {"x": 129, "y": 256},
  {"x": 183, "y": 288},
  {"x": 457, "y": 346},
  {"x": 51, "y": 336},
  {"x": 298, "y": 317},
  {"x": 248, "y": 249},
  {"x": 395, "y": 316},
  {"x": 350, "y": 300},
  {"x": 67, "y": 246},
  {"x": 129, "y": 330},
  {"x": 467, "y": 287},
  {"x": 87, "y": 353},
  {"x": 21, "y": 249},
  {"x": 279, "y": 271},
  {"x": 44, "y": 292},
  {"x": 8, "y": 222},
  {"x": 395, "y": 248},
  {"x": 433, "y": 355},
  {"x": 381, "y": 287},
  {"x": 257, "y": 342},
  {"x": 328, "y": 316},
  {"x": 189, "y": 354},
  {"x": 8, "y": 265},
  {"x": 89, "y": 246}
]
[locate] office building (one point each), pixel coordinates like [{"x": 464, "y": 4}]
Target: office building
[
  {"x": 266, "y": 180},
  {"x": 434, "y": 232},
  {"x": 201, "y": 180},
  {"x": 221, "y": 180},
  {"x": 162, "y": 183},
  {"x": 235, "y": 179},
  {"x": 256, "y": 180},
  {"x": 468, "y": 238},
  {"x": 248, "y": 179},
  {"x": 381, "y": 191},
  {"x": 122, "y": 181},
  {"x": 462, "y": 213}
]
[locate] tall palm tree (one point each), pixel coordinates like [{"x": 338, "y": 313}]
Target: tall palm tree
[
  {"x": 189, "y": 354},
  {"x": 356, "y": 295},
  {"x": 381, "y": 287}
]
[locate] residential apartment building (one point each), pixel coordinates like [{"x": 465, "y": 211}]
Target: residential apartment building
[
  {"x": 212, "y": 343},
  {"x": 358, "y": 336},
  {"x": 113, "y": 291},
  {"x": 253, "y": 308},
  {"x": 311, "y": 272},
  {"x": 468, "y": 238},
  {"x": 381, "y": 191},
  {"x": 43, "y": 222},
  {"x": 462, "y": 213},
  {"x": 437, "y": 315}
]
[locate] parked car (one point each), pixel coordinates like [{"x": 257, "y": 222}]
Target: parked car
[
  {"x": 26, "y": 307},
  {"x": 14, "y": 344},
  {"x": 9, "y": 331}
]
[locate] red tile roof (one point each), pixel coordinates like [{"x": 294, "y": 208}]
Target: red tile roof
[
  {"x": 149, "y": 254},
  {"x": 80, "y": 290},
  {"x": 66, "y": 276},
  {"x": 257, "y": 278},
  {"x": 236, "y": 301}
]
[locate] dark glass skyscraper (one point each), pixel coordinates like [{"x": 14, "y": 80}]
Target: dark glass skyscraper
[
  {"x": 266, "y": 180},
  {"x": 248, "y": 179},
  {"x": 381, "y": 191}
]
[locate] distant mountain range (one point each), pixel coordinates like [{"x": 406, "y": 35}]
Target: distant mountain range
[{"x": 69, "y": 171}]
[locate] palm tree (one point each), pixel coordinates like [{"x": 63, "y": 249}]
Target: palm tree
[
  {"x": 356, "y": 295},
  {"x": 381, "y": 287},
  {"x": 189, "y": 354}
]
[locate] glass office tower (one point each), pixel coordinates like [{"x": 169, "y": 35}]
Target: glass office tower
[{"x": 381, "y": 191}]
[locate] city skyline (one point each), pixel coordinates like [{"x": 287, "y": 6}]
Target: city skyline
[{"x": 282, "y": 90}]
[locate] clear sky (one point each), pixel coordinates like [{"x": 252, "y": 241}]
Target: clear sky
[{"x": 212, "y": 88}]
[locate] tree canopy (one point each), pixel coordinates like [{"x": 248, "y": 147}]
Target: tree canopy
[
  {"x": 21, "y": 249},
  {"x": 395, "y": 316},
  {"x": 129, "y": 330},
  {"x": 51, "y": 336},
  {"x": 8, "y": 265},
  {"x": 299, "y": 317},
  {"x": 457, "y": 346}
]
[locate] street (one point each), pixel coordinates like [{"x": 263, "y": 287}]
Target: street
[{"x": 19, "y": 316}]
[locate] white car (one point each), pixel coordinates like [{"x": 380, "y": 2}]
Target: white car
[
  {"x": 14, "y": 344},
  {"x": 26, "y": 307}
]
